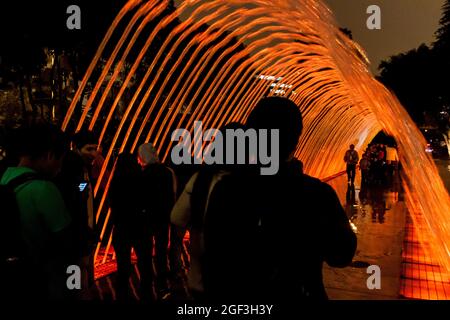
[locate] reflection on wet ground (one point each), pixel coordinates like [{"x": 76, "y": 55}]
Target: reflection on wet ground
[
  {"x": 388, "y": 239},
  {"x": 378, "y": 216}
]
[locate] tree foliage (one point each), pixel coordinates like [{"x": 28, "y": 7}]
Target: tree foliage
[{"x": 420, "y": 77}]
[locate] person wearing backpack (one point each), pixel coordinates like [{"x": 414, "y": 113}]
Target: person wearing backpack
[
  {"x": 267, "y": 236},
  {"x": 188, "y": 213},
  {"x": 35, "y": 220},
  {"x": 351, "y": 158}
]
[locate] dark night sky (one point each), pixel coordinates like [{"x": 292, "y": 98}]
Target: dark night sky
[{"x": 405, "y": 24}]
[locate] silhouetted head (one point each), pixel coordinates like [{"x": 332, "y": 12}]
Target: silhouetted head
[
  {"x": 352, "y": 147},
  {"x": 232, "y": 126},
  {"x": 85, "y": 143},
  {"x": 127, "y": 166},
  {"x": 42, "y": 147},
  {"x": 147, "y": 154},
  {"x": 282, "y": 114}
]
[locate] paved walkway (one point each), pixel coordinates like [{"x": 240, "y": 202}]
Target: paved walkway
[{"x": 379, "y": 216}]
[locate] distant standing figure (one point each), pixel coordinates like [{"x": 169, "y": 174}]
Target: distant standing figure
[
  {"x": 351, "y": 158},
  {"x": 364, "y": 166}
]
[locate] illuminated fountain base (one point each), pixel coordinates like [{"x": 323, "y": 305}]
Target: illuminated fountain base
[{"x": 422, "y": 275}]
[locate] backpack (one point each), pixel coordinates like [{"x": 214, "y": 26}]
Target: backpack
[
  {"x": 352, "y": 157},
  {"x": 246, "y": 251},
  {"x": 233, "y": 247},
  {"x": 12, "y": 247}
]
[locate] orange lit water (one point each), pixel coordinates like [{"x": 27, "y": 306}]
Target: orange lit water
[{"x": 193, "y": 76}]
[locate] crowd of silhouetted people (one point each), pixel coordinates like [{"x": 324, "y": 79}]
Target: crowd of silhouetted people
[
  {"x": 251, "y": 236},
  {"x": 378, "y": 165}
]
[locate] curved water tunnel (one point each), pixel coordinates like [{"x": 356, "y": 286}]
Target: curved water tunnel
[{"x": 166, "y": 66}]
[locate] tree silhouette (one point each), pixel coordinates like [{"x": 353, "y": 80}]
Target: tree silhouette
[
  {"x": 442, "y": 51},
  {"x": 411, "y": 76},
  {"x": 27, "y": 28},
  {"x": 443, "y": 33},
  {"x": 420, "y": 78}
]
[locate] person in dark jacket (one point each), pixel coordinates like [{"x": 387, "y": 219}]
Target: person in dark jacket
[
  {"x": 132, "y": 227},
  {"x": 158, "y": 196},
  {"x": 351, "y": 158},
  {"x": 77, "y": 189},
  {"x": 267, "y": 236}
]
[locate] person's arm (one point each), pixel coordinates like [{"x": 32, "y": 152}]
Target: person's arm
[
  {"x": 169, "y": 191},
  {"x": 181, "y": 212},
  {"x": 339, "y": 241}
]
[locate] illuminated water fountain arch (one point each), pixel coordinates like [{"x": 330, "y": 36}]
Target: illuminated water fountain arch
[{"x": 213, "y": 60}]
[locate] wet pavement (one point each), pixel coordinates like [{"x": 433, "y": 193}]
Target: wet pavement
[{"x": 378, "y": 215}]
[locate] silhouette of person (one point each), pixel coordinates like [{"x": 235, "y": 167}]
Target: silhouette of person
[
  {"x": 77, "y": 188},
  {"x": 364, "y": 166},
  {"x": 158, "y": 197},
  {"x": 351, "y": 158},
  {"x": 132, "y": 227},
  {"x": 189, "y": 213},
  {"x": 267, "y": 236},
  {"x": 44, "y": 218}
]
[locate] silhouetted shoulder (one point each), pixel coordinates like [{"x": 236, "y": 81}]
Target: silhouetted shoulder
[
  {"x": 315, "y": 189},
  {"x": 311, "y": 182}
]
